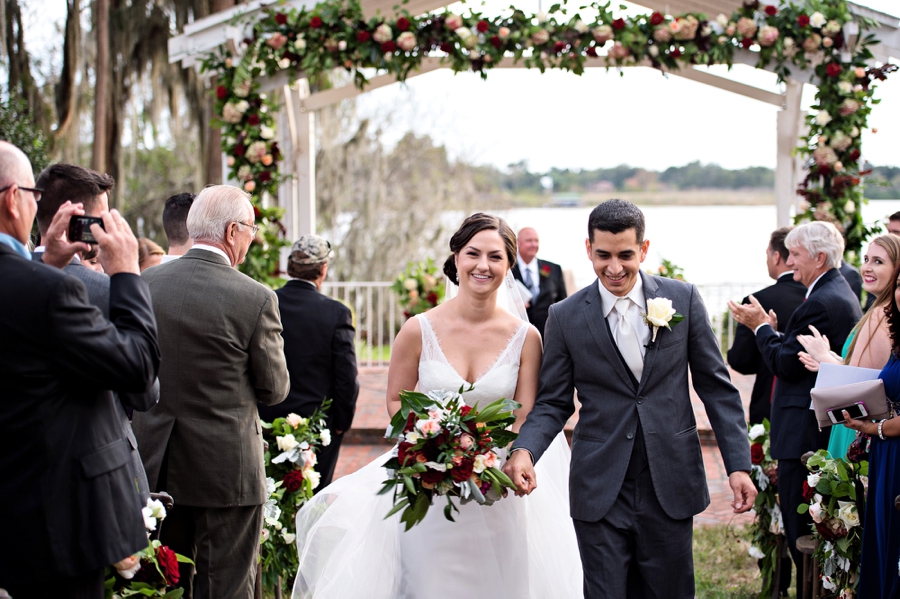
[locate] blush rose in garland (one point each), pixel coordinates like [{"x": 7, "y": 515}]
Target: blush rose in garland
[{"x": 335, "y": 34}]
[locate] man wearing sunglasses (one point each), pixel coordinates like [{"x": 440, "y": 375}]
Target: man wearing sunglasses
[{"x": 67, "y": 488}]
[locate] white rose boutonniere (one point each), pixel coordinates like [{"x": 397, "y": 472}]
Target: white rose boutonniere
[{"x": 660, "y": 313}]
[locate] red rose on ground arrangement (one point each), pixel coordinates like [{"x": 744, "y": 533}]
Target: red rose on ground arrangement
[
  {"x": 803, "y": 20},
  {"x": 482, "y": 26},
  {"x": 315, "y": 22},
  {"x": 618, "y": 24},
  {"x": 168, "y": 563},
  {"x": 833, "y": 69},
  {"x": 388, "y": 46},
  {"x": 402, "y": 23},
  {"x": 771, "y": 10},
  {"x": 281, "y": 18},
  {"x": 656, "y": 18},
  {"x": 756, "y": 453},
  {"x": 221, "y": 92},
  {"x": 293, "y": 480}
]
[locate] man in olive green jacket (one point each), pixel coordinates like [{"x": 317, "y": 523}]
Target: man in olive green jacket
[{"x": 222, "y": 352}]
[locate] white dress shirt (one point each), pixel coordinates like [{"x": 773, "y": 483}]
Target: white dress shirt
[
  {"x": 638, "y": 306},
  {"x": 213, "y": 249}
]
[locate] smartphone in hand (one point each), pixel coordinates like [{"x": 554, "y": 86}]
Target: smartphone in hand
[{"x": 80, "y": 228}]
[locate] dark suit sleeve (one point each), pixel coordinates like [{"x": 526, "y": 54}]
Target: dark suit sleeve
[
  {"x": 268, "y": 369},
  {"x": 780, "y": 351},
  {"x": 141, "y": 402},
  {"x": 743, "y": 356},
  {"x": 346, "y": 387},
  {"x": 122, "y": 354},
  {"x": 712, "y": 383},
  {"x": 560, "y": 284},
  {"x": 555, "y": 402}
]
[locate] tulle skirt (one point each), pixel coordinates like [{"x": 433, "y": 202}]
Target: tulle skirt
[{"x": 518, "y": 548}]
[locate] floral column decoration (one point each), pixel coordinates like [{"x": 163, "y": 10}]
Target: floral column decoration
[{"x": 335, "y": 34}]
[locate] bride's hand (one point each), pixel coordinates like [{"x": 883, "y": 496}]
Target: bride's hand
[{"x": 520, "y": 471}]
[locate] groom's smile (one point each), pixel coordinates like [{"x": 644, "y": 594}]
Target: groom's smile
[{"x": 617, "y": 258}]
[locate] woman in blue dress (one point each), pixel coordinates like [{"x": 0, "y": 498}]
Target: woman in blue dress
[{"x": 878, "y": 576}]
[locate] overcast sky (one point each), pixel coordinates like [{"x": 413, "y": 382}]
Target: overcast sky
[{"x": 600, "y": 119}]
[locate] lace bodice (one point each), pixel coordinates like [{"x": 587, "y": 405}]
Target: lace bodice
[{"x": 498, "y": 381}]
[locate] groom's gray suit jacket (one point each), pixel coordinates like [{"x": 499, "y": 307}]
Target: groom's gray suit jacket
[{"x": 580, "y": 353}]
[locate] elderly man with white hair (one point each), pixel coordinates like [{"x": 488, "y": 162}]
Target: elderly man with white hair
[
  {"x": 830, "y": 306},
  {"x": 222, "y": 352}
]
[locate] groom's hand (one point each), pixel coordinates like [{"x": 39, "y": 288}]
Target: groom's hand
[
  {"x": 744, "y": 491},
  {"x": 520, "y": 471}
]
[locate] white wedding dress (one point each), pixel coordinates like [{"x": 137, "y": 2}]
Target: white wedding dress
[{"x": 518, "y": 548}]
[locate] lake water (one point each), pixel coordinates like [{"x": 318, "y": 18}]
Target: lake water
[{"x": 713, "y": 244}]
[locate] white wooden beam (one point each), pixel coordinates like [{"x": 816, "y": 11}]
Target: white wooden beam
[
  {"x": 297, "y": 143},
  {"x": 786, "y": 174}
]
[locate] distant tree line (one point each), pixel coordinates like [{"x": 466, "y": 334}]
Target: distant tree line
[{"x": 883, "y": 182}]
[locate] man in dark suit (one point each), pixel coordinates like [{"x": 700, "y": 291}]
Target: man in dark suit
[
  {"x": 69, "y": 182},
  {"x": 543, "y": 279},
  {"x": 67, "y": 494},
  {"x": 832, "y": 308},
  {"x": 318, "y": 347},
  {"x": 854, "y": 279},
  {"x": 220, "y": 338},
  {"x": 783, "y": 297},
  {"x": 636, "y": 476}
]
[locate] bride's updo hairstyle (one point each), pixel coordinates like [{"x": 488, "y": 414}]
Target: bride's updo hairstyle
[{"x": 473, "y": 225}]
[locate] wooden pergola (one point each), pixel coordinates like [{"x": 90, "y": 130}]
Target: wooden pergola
[{"x": 296, "y": 121}]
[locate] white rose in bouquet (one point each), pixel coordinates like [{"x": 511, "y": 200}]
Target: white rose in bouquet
[
  {"x": 756, "y": 431},
  {"x": 286, "y": 443},
  {"x": 313, "y": 477},
  {"x": 295, "y": 420},
  {"x": 383, "y": 33},
  {"x": 756, "y": 553},
  {"x": 128, "y": 567},
  {"x": 848, "y": 514},
  {"x": 325, "y": 437}
]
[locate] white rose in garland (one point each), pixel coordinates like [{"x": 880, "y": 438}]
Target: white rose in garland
[
  {"x": 407, "y": 41},
  {"x": 383, "y": 33}
]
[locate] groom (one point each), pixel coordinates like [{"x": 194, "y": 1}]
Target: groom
[{"x": 637, "y": 476}]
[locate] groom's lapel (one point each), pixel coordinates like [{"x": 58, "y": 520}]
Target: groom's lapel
[
  {"x": 600, "y": 332},
  {"x": 651, "y": 291}
]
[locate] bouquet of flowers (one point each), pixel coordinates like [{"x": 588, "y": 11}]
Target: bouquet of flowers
[
  {"x": 768, "y": 526},
  {"x": 151, "y": 572},
  {"x": 291, "y": 480},
  {"x": 446, "y": 448},
  {"x": 419, "y": 288},
  {"x": 835, "y": 490}
]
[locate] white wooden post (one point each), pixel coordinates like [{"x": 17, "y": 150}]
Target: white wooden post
[
  {"x": 789, "y": 119},
  {"x": 296, "y": 141}
]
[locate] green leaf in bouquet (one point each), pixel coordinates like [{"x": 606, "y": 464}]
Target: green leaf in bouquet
[
  {"x": 399, "y": 506},
  {"x": 265, "y": 424},
  {"x": 448, "y": 511},
  {"x": 803, "y": 508},
  {"x": 407, "y": 480},
  {"x": 181, "y": 559},
  {"x": 174, "y": 594},
  {"x": 843, "y": 543},
  {"x": 500, "y": 476},
  {"x": 503, "y": 437},
  {"x": 477, "y": 495}
]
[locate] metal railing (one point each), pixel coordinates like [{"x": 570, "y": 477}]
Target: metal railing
[{"x": 377, "y": 315}]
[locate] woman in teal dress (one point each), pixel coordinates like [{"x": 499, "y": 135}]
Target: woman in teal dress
[
  {"x": 878, "y": 575},
  {"x": 868, "y": 345}
]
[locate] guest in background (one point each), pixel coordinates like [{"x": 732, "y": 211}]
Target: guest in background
[
  {"x": 893, "y": 224},
  {"x": 783, "y": 297},
  {"x": 91, "y": 259},
  {"x": 149, "y": 253},
  {"x": 831, "y": 307},
  {"x": 854, "y": 279},
  {"x": 869, "y": 344},
  {"x": 318, "y": 347},
  {"x": 67, "y": 494},
  {"x": 878, "y": 576},
  {"x": 220, "y": 338},
  {"x": 543, "y": 279},
  {"x": 69, "y": 182},
  {"x": 175, "y": 215}
]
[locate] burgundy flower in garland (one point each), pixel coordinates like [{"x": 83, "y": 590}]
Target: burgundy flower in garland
[
  {"x": 618, "y": 24},
  {"x": 592, "y": 52},
  {"x": 281, "y": 18},
  {"x": 402, "y": 23},
  {"x": 656, "y": 18},
  {"x": 676, "y": 53},
  {"x": 496, "y": 41},
  {"x": 253, "y": 120},
  {"x": 447, "y": 47},
  {"x": 315, "y": 22},
  {"x": 388, "y": 46},
  {"x": 747, "y": 42},
  {"x": 264, "y": 177},
  {"x": 833, "y": 69},
  {"x": 803, "y": 20},
  {"x": 363, "y": 36},
  {"x": 558, "y": 47},
  {"x": 482, "y": 26},
  {"x": 239, "y": 150},
  {"x": 221, "y": 92},
  {"x": 771, "y": 10}
]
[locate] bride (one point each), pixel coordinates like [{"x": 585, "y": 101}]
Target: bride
[{"x": 519, "y": 547}]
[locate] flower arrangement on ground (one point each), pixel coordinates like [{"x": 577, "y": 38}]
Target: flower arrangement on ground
[
  {"x": 151, "y": 572},
  {"x": 419, "y": 288},
  {"x": 835, "y": 490},
  {"x": 445, "y": 447},
  {"x": 291, "y": 481},
  {"x": 768, "y": 525}
]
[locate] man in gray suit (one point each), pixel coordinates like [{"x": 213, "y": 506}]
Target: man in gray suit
[
  {"x": 69, "y": 182},
  {"x": 222, "y": 352},
  {"x": 637, "y": 476}
]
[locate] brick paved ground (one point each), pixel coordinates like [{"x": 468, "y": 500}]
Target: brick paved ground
[{"x": 363, "y": 443}]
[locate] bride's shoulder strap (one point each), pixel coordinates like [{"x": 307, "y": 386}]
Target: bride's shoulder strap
[{"x": 431, "y": 347}]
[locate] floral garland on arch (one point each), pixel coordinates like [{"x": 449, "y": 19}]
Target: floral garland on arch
[{"x": 335, "y": 34}]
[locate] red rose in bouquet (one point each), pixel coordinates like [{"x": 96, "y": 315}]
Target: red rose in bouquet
[
  {"x": 293, "y": 481},
  {"x": 756, "y": 453}
]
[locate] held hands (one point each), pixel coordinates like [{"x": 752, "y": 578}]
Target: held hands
[
  {"x": 118, "y": 245},
  {"x": 753, "y": 314},
  {"x": 818, "y": 350},
  {"x": 59, "y": 250},
  {"x": 744, "y": 491},
  {"x": 520, "y": 471}
]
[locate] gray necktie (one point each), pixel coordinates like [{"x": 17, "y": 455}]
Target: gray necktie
[
  {"x": 626, "y": 339},
  {"x": 530, "y": 283}
]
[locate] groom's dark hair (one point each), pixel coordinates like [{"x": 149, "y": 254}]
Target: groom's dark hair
[{"x": 616, "y": 216}]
